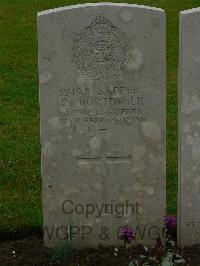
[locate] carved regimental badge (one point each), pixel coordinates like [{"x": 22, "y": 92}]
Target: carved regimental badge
[{"x": 101, "y": 50}]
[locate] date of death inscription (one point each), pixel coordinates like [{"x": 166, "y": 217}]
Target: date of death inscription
[{"x": 101, "y": 106}]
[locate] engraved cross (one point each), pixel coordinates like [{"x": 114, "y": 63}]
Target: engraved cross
[{"x": 104, "y": 159}]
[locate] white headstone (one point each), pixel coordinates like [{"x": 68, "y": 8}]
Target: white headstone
[
  {"x": 102, "y": 102},
  {"x": 189, "y": 128}
]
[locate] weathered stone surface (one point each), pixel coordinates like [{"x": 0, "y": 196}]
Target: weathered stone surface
[
  {"x": 102, "y": 100},
  {"x": 189, "y": 128}
]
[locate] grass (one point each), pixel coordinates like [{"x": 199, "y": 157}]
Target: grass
[{"x": 20, "y": 182}]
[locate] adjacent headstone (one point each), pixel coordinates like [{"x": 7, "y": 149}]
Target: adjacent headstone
[
  {"x": 189, "y": 128},
  {"x": 102, "y": 103}
]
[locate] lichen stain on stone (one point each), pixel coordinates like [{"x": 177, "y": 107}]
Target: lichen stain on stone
[
  {"x": 189, "y": 140},
  {"x": 137, "y": 187},
  {"x": 48, "y": 148},
  {"x": 55, "y": 138},
  {"x": 194, "y": 143},
  {"x": 126, "y": 16},
  {"x": 138, "y": 166},
  {"x": 95, "y": 143},
  {"x": 149, "y": 190},
  {"x": 154, "y": 181},
  {"x": 136, "y": 60},
  {"x": 76, "y": 152},
  {"x": 54, "y": 164},
  {"x": 152, "y": 131},
  {"x": 190, "y": 103},
  {"x": 186, "y": 127},
  {"x": 128, "y": 121},
  {"x": 69, "y": 136},
  {"x": 157, "y": 161},
  {"x": 140, "y": 209},
  {"x": 196, "y": 150},
  {"x": 195, "y": 167},
  {"x": 45, "y": 77},
  {"x": 188, "y": 184},
  {"x": 54, "y": 123},
  {"x": 139, "y": 151}
]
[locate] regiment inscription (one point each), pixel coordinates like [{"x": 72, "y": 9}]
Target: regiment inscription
[{"x": 102, "y": 106}]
